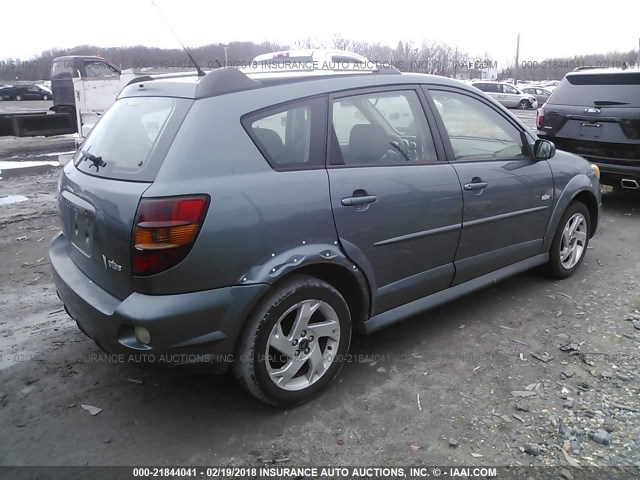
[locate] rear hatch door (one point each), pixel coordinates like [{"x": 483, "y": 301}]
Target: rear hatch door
[
  {"x": 102, "y": 186},
  {"x": 595, "y": 109}
]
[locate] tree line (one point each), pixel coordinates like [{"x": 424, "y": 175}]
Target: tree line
[{"x": 435, "y": 58}]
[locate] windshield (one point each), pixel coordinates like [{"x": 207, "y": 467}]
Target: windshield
[
  {"x": 130, "y": 141},
  {"x": 601, "y": 89}
]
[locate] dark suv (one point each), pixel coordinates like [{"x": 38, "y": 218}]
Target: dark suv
[
  {"x": 596, "y": 113},
  {"x": 256, "y": 220}
]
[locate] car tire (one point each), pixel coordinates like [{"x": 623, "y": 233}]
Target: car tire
[
  {"x": 570, "y": 241},
  {"x": 304, "y": 363},
  {"x": 524, "y": 105},
  {"x": 18, "y": 97},
  {"x": 45, "y": 97}
]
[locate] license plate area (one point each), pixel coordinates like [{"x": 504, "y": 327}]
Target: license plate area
[
  {"x": 591, "y": 131},
  {"x": 79, "y": 222}
]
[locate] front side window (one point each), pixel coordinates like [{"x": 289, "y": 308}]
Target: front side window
[
  {"x": 476, "y": 131},
  {"x": 383, "y": 128},
  {"x": 99, "y": 69},
  {"x": 290, "y": 137}
]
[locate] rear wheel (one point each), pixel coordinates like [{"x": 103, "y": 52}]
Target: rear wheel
[
  {"x": 45, "y": 97},
  {"x": 570, "y": 241},
  {"x": 18, "y": 97},
  {"x": 294, "y": 343}
]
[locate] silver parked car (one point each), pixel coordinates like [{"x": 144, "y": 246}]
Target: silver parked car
[
  {"x": 256, "y": 222},
  {"x": 541, "y": 94},
  {"x": 507, "y": 94}
]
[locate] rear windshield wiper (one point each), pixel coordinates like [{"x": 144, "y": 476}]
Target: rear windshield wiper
[
  {"x": 95, "y": 160},
  {"x": 608, "y": 102}
]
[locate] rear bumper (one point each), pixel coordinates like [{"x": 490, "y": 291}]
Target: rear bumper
[
  {"x": 611, "y": 174},
  {"x": 613, "y": 169},
  {"x": 190, "y": 328}
]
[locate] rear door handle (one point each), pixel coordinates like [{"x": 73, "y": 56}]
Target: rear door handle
[
  {"x": 359, "y": 200},
  {"x": 476, "y": 186}
]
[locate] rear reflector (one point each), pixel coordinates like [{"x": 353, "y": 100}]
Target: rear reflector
[{"x": 165, "y": 229}]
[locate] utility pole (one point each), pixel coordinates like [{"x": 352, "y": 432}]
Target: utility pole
[
  {"x": 226, "y": 62},
  {"x": 515, "y": 75},
  {"x": 455, "y": 64},
  {"x": 638, "y": 63}
]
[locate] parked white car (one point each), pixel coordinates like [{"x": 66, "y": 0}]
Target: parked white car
[
  {"x": 541, "y": 94},
  {"x": 507, "y": 94}
]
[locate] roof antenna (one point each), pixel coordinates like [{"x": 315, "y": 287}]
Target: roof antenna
[{"x": 164, "y": 19}]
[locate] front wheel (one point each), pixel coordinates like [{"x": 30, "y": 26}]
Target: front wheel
[
  {"x": 45, "y": 97},
  {"x": 524, "y": 105},
  {"x": 18, "y": 97},
  {"x": 295, "y": 342},
  {"x": 570, "y": 241}
]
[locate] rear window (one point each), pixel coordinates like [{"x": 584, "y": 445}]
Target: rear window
[
  {"x": 62, "y": 69},
  {"x": 132, "y": 138},
  {"x": 603, "y": 90}
]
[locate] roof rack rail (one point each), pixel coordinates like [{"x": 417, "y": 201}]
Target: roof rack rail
[
  {"x": 230, "y": 79},
  {"x": 160, "y": 76},
  {"x": 224, "y": 80},
  {"x": 586, "y": 67},
  {"x": 386, "y": 70},
  {"x": 143, "y": 78}
]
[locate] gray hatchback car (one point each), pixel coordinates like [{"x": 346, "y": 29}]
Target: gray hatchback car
[{"x": 257, "y": 223}]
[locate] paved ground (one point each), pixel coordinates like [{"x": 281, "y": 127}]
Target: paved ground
[
  {"x": 528, "y": 117},
  {"x": 12, "y": 106},
  {"x": 522, "y": 372}
]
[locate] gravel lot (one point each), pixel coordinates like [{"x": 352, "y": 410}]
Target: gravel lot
[{"x": 529, "y": 371}]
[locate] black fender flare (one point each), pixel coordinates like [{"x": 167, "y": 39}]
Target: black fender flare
[
  {"x": 310, "y": 257},
  {"x": 577, "y": 185}
]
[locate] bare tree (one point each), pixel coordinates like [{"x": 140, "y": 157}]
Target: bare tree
[{"x": 426, "y": 57}]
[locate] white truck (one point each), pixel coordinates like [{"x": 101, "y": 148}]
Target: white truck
[{"x": 84, "y": 87}]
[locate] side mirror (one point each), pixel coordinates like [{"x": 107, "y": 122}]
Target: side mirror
[{"x": 544, "y": 149}]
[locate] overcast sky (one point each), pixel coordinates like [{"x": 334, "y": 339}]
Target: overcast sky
[{"x": 547, "y": 28}]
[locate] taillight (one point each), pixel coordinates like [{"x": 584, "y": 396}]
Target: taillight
[
  {"x": 164, "y": 231},
  {"x": 540, "y": 118}
]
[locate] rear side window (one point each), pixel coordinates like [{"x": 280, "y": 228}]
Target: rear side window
[
  {"x": 382, "y": 128},
  {"x": 291, "y": 136},
  {"x": 599, "y": 89},
  {"x": 132, "y": 138},
  {"x": 489, "y": 87}
]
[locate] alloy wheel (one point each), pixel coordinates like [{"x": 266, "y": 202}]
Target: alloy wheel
[
  {"x": 301, "y": 345},
  {"x": 574, "y": 238}
]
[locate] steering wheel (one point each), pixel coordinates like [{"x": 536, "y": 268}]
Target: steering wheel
[{"x": 398, "y": 143}]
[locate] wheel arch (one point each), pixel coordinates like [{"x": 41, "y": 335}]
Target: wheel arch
[
  {"x": 350, "y": 283},
  {"x": 590, "y": 201},
  {"x": 352, "y": 286},
  {"x": 581, "y": 189}
]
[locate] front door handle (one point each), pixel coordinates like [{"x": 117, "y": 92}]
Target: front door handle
[
  {"x": 476, "y": 186},
  {"x": 358, "y": 200}
]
